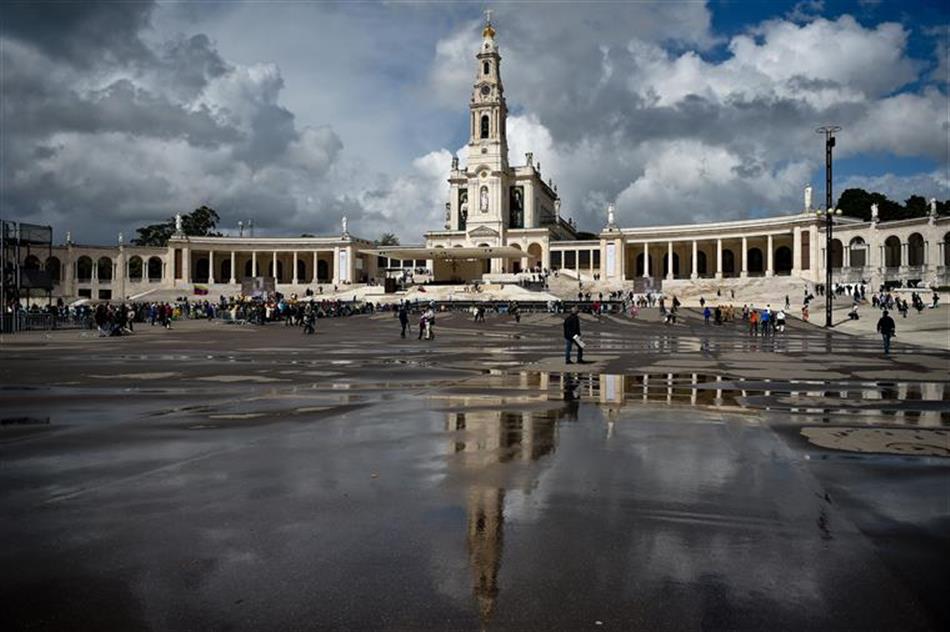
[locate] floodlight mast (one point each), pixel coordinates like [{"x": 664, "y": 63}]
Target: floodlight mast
[{"x": 829, "y": 133}]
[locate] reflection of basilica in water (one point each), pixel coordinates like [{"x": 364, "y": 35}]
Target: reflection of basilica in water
[
  {"x": 512, "y": 419},
  {"x": 485, "y": 435}
]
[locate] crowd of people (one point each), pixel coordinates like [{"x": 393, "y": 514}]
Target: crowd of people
[{"x": 115, "y": 319}]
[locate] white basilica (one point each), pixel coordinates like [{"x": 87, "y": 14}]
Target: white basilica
[{"x": 501, "y": 220}]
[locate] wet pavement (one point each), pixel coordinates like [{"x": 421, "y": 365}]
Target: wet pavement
[{"x": 226, "y": 477}]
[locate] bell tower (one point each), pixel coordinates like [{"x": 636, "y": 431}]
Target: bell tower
[{"x": 488, "y": 142}]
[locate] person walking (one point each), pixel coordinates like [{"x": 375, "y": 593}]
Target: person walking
[
  {"x": 707, "y": 314},
  {"x": 886, "y": 327},
  {"x": 572, "y": 334},
  {"x": 403, "y": 318},
  {"x": 308, "y": 321}
]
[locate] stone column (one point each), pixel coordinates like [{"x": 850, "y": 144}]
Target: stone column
[
  {"x": 769, "y": 267},
  {"x": 210, "y": 267},
  {"x": 295, "y": 268},
  {"x": 669, "y": 260},
  {"x": 646, "y": 259},
  {"x": 254, "y": 263},
  {"x": 315, "y": 259},
  {"x": 941, "y": 253},
  {"x": 904, "y": 257},
  {"x": 336, "y": 265},
  {"x": 186, "y": 264},
  {"x": 813, "y": 257},
  {"x": 718, "y": 258},
  {"x": 120, "y": 272},
  {"x": 845, "y": 255},
  {"x": 233, "y": 278},
  {"x": 274, "y": 264},
  {"x": 745, "y": 258},
  {"x": 797, "y": 251},
  {"x": 695, "y": 266}
]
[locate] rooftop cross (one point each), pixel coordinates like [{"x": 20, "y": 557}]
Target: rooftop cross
[{"x": 488, "y": 13}]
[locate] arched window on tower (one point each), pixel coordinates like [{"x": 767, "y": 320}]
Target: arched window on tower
[
  {"x": 486, "y": 68},
  {"x": 484, "y": 133}
]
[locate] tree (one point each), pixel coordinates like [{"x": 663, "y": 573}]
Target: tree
[
  {"x": 387, "y": 239},
  {"x": 201, "y": 222},
  {"x": 857, "y": 203},
  {"x": 916, "y": 206}
]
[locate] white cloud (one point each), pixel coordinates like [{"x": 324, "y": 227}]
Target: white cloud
[{"x": 822, "y": 62}]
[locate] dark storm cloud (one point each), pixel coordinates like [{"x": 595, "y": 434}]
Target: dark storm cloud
[
  {"x": 188, "y": 63},
  {"x": 120, "y": 107},
  {"x": 78, "y": 32}
]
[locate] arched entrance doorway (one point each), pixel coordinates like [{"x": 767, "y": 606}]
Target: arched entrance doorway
[{"x": 783, "y": 260}]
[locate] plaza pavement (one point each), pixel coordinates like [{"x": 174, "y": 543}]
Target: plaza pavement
[{"x": 223, "y": 476}]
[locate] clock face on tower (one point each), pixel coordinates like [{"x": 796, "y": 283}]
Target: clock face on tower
[{"x": 486, "y": 91}]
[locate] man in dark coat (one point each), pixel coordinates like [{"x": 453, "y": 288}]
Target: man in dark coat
[
  {"x": 886, "y": 328},
  {"x": 403, "y": 318},
  {"x": 572, "y": 327}
]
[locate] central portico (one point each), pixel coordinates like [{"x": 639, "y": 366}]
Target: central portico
[{"x": 492, "y": 204}]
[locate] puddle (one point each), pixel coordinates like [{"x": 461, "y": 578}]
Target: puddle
[
  {"x": 238, "y": 378},
  {"x": 913, "y": 403},
  {"x": 159, "y": 375},
  {"x": 24, "y": 421}
]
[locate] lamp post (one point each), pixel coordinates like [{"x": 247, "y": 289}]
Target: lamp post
[{"x": 829, "y": 133}]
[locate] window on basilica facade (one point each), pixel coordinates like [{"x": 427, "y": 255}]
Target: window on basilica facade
[
  {"x": 486, "y": 68},
  {"x": 484, "y": 133}
]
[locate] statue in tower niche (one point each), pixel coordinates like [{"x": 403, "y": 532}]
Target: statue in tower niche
[
  {"x": 483, "y": 200},
  {"x": 516, "y": 207}
]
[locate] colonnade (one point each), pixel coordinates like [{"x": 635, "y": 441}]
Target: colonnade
[
  {"x": 310, "y": 266},
  {"x": 794, "y": 250}
]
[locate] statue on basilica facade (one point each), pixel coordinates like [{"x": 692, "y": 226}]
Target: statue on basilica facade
[
  {"x": 933, "y": 211},
  {"x": 178, "y": 229},
  {"x": 874, "y": 210},
  {"x": 344, "y": 225},
  {"x": 610, "y": 216},
  {"x": 483, "y": 200},
  {"x": 808, "y": 199}
]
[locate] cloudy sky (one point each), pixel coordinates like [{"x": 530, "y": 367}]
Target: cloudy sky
[{"x": 294, "y": 114}]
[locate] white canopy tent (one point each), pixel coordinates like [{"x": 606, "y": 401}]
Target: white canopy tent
[{"x": 461, "y": 253}]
